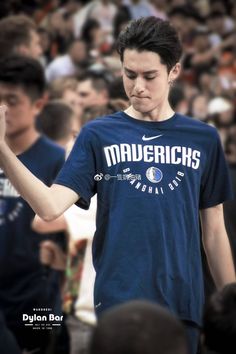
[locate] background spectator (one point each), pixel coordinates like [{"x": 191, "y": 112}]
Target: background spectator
[{"x": 138, "y": 327}]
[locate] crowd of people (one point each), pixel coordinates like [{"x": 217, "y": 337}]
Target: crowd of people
[{"x": 59, "y": 71}]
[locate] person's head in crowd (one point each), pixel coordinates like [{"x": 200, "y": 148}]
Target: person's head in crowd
[
  {"x": 18, "y": 35},
  {"x": 205, "y": 82},
  {"x": 78, "y": 52},
  {"x": 216, "y": 22},
  {"x": 116, "y": 89},
  {"x": 93, "y": 35},
  {"x": 150, "y": 51},
  {"x": 138, "y": 327},
  {"x": 219, "y": 325},
  {"x": 177, "y": 99},
  {"x": 65, "y": 88},
  {"x": 221, "y": 112},
  {"x": 114, "y": 105},
  {"x": 55, "y": 22},
  {"x": 92, "y": 89},
  {"x": 186, "y": 14},
  {"x": 121, "y": 20},
  {"x": 22, "y": 88},
  {"x": 113, "y": 65},
  {"x": 45, "y": 42},
  {"x": 200, "y": 37},
  {"x": 198, "y": 107},
  {"x": 57, "y": 121},
  {"x": 217, "y": 86}
]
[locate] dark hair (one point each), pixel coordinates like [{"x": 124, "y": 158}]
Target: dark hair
[
  {"x": 154, "y": 35},
  {"x": 176, "y": 95},
  {"x": 24, "y": 72},
  {"x": 138, "y": 327},
  {"x": 14, "y": 31},
  {"x": 98, "y": 79},
  {"x": 121, "y": 18},
  {"x": 116, "y": 89},
  {"x": 55, "y": 119},
  {"x": 86, "y": 31},
  {"x": 219, "y": 325},
  {"x": 186, "y": 11}
]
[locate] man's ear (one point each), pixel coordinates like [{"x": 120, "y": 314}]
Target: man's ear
[
  {"x": 40, "y": 103},
  {"x": 174, "y": 73}
]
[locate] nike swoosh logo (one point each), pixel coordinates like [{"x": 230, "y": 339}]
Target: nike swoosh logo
[{"x": 144, "y": 138}]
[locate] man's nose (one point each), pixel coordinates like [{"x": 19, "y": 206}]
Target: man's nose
[{"x": 139, "y": 85}]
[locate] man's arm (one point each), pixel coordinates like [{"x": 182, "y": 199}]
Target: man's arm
[
  {"x": 216, "y": 245},
  {"x": 43, "y": 227},
  {"x": 47, "y": 202}
]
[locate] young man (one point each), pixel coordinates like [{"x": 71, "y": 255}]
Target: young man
[
  {"x": 68, "y": 64},
  {"x": 92, "y": 90},
  {"x": 18, "y": 35},
  {"x": 152, "y": 171},
  {"x": 26, "y": 288}
]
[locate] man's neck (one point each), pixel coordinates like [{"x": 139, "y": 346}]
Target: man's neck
[
  {"x": 21, "y": 142},
  {"x": 156, "y": 115}
]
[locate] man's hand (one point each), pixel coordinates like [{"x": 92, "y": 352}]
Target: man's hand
[
  {"x": 52, "y": 255},
  {"x": 3, "y": 110}
]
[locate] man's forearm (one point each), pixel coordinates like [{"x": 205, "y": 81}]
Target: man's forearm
[
  {"x": 35, "y": 192},
  {"x": 217, "y": 246},
  {"x": 220, "y": 260}
]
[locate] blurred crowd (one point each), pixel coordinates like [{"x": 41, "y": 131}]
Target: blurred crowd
[
  {"x": 74, "y": 36},
  {"x": 74, "y": 41}
]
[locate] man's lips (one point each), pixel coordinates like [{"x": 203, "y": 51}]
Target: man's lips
[{"x": 139, "y": 97}]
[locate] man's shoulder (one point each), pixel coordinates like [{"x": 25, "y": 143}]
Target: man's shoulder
[
  {"x": 195, "y": 125},
  {"x": 103, "y": 121},
  {"x": 47, "y": 143},
  {"x": 44, "y": 159},
  {"x": 48, "y": 149}
]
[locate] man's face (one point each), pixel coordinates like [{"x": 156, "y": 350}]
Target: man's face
[
  {"x": 71, "y": 97},
  {"x": 34, "y": 48},
  {"x": 78, "y": 52},
  {"x": 21, "y": 110},
  {"x": 88, "y": 96},
  {"x": 146, "y": 80}
]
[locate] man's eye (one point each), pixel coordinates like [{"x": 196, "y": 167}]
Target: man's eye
[
  {"x": 150, "y": 77},
  {"x": 131, "y": 76},
  {"x": 12, "y": 101}
]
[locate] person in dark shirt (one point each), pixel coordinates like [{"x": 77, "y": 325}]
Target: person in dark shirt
[{"x": 27, "y": 288}]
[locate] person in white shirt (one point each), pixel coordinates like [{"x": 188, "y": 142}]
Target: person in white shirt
[{"x": 67, "y": 64}]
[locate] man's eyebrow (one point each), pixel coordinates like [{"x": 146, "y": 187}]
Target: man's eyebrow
[{"x": 145, "y": 72}]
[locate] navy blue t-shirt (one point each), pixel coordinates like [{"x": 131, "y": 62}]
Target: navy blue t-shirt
[
  {"x": 151, "y": 179},
  {"x": 23, "y": 282}
]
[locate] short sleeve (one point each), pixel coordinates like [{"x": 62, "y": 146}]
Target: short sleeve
[
  {"x": 82, "y": 223},
  {"x": 215, "y": 184},
  {"x": 79, "y": 169}
]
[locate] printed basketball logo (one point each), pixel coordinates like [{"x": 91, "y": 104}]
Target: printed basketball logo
[{"x": 154, "y": 174}]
